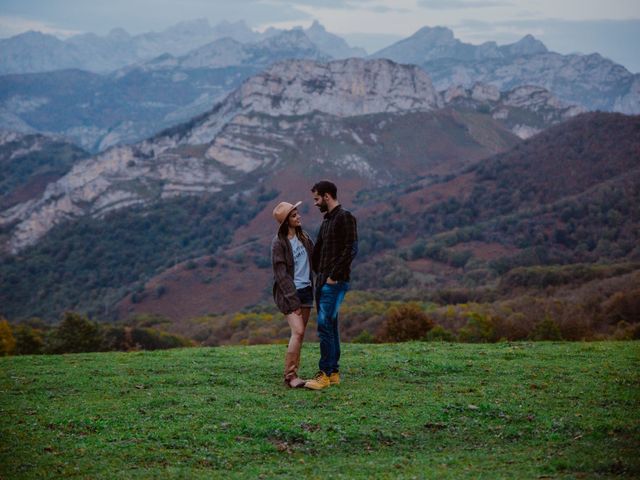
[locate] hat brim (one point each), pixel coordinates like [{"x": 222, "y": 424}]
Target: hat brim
[{"x": 295, "y": 205}]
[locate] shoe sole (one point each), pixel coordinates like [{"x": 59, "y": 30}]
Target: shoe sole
[{"x": 316, "y": 388}]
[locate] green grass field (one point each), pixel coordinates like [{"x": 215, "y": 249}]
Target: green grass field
[{"x": 413, "y": 410}]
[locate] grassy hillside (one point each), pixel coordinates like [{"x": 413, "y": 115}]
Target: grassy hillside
[
  {"x": 89, "y": 264},
  {"x": 567, "y": 195},
  {"x": 415, "y": 410}
]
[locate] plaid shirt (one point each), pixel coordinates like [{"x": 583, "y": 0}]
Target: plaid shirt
[{"x": 336, "y": 246}]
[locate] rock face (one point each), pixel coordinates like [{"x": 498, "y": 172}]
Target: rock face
[
  {"x": 344, "y": 88},
  {"x": 295, "y": 109},
  {"x": 591, "y": 81},
  {"x": 525, "y": 110}
]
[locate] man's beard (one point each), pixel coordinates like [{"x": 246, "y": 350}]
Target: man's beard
[{"x": 323, "y": 207}]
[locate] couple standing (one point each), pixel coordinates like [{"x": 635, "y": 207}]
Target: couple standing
[{"x": 296, "y": 260}]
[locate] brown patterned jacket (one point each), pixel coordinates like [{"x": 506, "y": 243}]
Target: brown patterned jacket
[{"x": 284, "y": 290}]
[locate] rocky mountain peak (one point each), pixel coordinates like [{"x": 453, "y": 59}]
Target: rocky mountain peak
[
  {"x": 293, "y": 39},
  {"x": 33, "y": 37},
  {"x": 428, "y": 43},
  {"x": 317, "y": 27},
  {"x": 118, "y": 34},
  {"x": 435, "y": 35},
  {"x": 236, "y": 30},
  {"x": 343, "y": 87},
  {"x": 198, "y": 26},
  {"x": 527, "y": 45},
  {"x": 331, "y": 44}
]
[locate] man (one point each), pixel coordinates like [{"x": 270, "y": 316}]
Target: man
[{"x": 334, "y": 250}]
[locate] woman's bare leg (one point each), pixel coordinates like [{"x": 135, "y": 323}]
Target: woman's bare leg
[{"x": 297, "y": 324}]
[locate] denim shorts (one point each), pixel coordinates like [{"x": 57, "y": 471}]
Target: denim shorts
[{"x": 306, "y": 296}]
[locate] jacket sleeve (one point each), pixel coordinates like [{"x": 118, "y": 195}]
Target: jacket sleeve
[
  {"x": 282, "y": 278},
  {"x": 348, "y": 229}
]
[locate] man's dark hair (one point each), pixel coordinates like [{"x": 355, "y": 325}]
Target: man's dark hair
[{"x": 325, "y": 186}]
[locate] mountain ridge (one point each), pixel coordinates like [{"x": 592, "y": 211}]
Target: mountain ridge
[
  {"x": 34, "y": 52},
  {"x": 592, "y": 81}
]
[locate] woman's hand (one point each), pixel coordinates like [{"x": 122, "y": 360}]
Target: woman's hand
[
  {"x": 331, "y": 281},
  {"x": 298, "y": 312}
]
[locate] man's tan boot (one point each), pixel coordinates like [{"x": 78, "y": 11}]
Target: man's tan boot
[
  {"x": 291, "y": 379},
  {"x": 334, "y": 378},
  {"x": 320, "y": 381}
]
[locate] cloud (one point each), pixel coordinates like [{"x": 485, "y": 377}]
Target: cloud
[{"x": 461, "y": 4}]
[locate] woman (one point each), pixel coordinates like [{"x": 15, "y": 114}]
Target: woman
[{"x": 291, "y": 250}]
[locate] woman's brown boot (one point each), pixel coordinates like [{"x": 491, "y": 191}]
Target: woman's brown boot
[{"x": 291, "y": 379}]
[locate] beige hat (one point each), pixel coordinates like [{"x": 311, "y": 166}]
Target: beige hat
[{"x": 282, "y": 211}]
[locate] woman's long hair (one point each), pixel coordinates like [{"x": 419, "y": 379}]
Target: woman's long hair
[{"x": 283, "y": 230}]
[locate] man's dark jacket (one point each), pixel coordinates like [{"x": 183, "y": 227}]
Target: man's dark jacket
[{"x": 336, "y": 246}]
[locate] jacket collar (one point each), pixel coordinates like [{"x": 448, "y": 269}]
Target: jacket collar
[{"x": 332, "y": 213}]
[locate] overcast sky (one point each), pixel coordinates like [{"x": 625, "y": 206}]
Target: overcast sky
[{"x": 610, "y": 27}]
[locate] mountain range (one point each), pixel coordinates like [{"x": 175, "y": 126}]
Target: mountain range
[
  {"x": 133, "y": 102},
  {"x": 181, "y": 221},
  {"x": 98, "y": 111},
  {"x": 594, "y": 82},
  {"x": 273, "y": 116},
  {"x": 34, "y": 52}
]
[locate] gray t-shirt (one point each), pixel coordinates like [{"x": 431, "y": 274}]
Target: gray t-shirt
[{"x": 301, "y": 269}]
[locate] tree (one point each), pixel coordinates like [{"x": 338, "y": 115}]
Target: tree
[
  {"x": 479, "y": 328},
  {"x": 29, "y": 341},
  {"x": 405, "y": 322},
  {"x": 76, "y": 333},
  {"x": 7, "y": 341},
  {"x": 546, "y": 329}
]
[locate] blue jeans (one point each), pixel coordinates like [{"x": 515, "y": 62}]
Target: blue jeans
[{"x": 328, "y": 302}]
